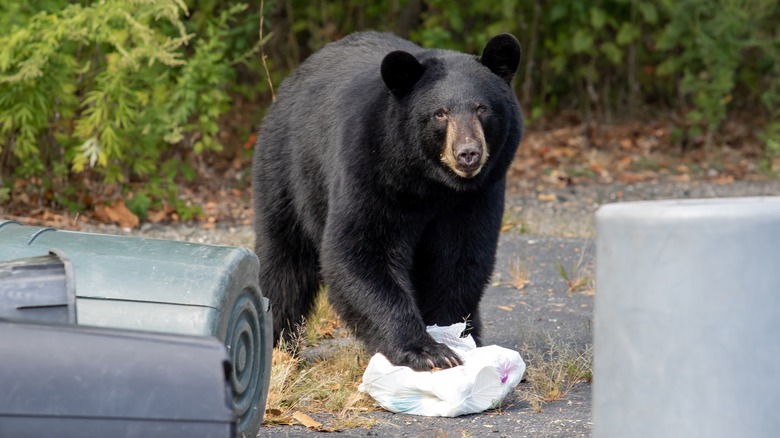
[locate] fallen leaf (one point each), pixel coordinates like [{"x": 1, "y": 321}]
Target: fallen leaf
[
  {"x": 306, "y": 420},
  {"x": 311, "y": 423},
  {"x": 100, "y": 213},
  {"x": 723, "y": 180},
  {"x": 507, "y": 308},
  {"x": 634, "y": 177},
  {"x": 521, "y": 284},
  {"x": 116, "y": 213},
  {"x": 547, "y": 197},
  {"x": 274, "y": 416},
  {"x": 156, "y": 216},
  {"x": 624, "y": 163}
]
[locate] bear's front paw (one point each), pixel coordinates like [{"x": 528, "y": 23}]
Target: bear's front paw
[{"x": 426, "y": 357}]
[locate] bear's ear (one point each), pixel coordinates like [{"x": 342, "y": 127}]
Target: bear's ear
[
  {"x": 400, "y": 71},
  {"x": 502, "y": 56}
]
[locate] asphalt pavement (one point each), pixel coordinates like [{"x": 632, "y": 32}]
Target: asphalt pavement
[{"x": 542, "y": 312}]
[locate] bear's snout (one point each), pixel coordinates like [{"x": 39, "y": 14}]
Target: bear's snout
[
  {"x": 465, "y": 151},
  {"x": 468, "y": 156}
]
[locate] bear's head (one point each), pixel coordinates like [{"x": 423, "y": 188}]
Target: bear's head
[{"x": 464, "y": 113}]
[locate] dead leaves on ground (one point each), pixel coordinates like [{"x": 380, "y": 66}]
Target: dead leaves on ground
[
  {"x": 627, "y": 153},
  {"x": 276, "y": 417},
  {"x": 116, "y": 213},
  {"x": 552, "y": 156}
]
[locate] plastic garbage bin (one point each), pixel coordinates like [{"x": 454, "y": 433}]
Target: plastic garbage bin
[
  {"x": 167, "y": 286},
  {"x": 76, "y": 381},
  {"x": 38, "y": 288}
]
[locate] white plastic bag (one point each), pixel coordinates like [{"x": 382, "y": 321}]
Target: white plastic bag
[{"x": 487, "y": 376}]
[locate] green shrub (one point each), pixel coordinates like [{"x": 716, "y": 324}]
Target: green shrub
[
  {"x": 710, "y": 44},
  {"x": 107, "y": 91},
  {"x": 110, "y": 88}
]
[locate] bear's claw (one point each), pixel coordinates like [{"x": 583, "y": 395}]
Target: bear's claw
[{"x": 427, "y": 357}]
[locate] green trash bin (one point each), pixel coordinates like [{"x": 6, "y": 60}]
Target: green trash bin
[
  {"x": 167, "y": 286},
  {"x": 39, "y": 288}
]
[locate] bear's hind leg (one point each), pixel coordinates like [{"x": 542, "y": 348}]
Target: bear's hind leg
[{"x": 289, "y": 272}]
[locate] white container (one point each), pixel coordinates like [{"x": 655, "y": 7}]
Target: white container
[{"x": 687, "y": 319}]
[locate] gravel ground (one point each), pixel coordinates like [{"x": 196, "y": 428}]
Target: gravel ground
[
  {"x": 569, "y": 214},
  {"x": 572, "y": 212}
]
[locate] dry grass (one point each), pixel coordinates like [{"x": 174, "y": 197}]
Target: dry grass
[
  {"x": 580, "y": 278},
  {"x": 323, "y": 323},
  {"x": 511, "y": 222},
  {"x": 553, "y": 369},
  {"x": 325, "y": 388},
  {"x": 520, "y": 272}
]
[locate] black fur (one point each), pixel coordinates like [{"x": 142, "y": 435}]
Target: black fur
[
  {"x": 350, "y": 190},
  {"x": 400, "y": 71}
]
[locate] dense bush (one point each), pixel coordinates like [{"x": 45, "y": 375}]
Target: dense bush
[
  {"x": 699, "y": 58},
  {"x": 120, "y": 90},
  {"x": 720, "y": 50},
  {"x": 109, "y": 87}
]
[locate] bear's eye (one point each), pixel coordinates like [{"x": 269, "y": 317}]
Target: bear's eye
[
  {"x": 481, "y": 110},
  {"x": 440, "y": 114}
]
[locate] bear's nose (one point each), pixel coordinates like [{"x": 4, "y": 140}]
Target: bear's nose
[{"x": 468, "y": 155}]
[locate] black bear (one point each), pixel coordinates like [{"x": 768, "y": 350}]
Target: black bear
[{"x": 380, "y": 171}]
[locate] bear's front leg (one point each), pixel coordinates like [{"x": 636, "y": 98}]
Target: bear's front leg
[
  {"x": 455, "y": 259},
  {"x": 366, "y": 260}
]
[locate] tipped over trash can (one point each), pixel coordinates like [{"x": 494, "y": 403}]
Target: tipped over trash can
[
  {"x": 76, "y": 381},
  {"x": 38, "y": 288},
  {"x": 167, "y": 286}
]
